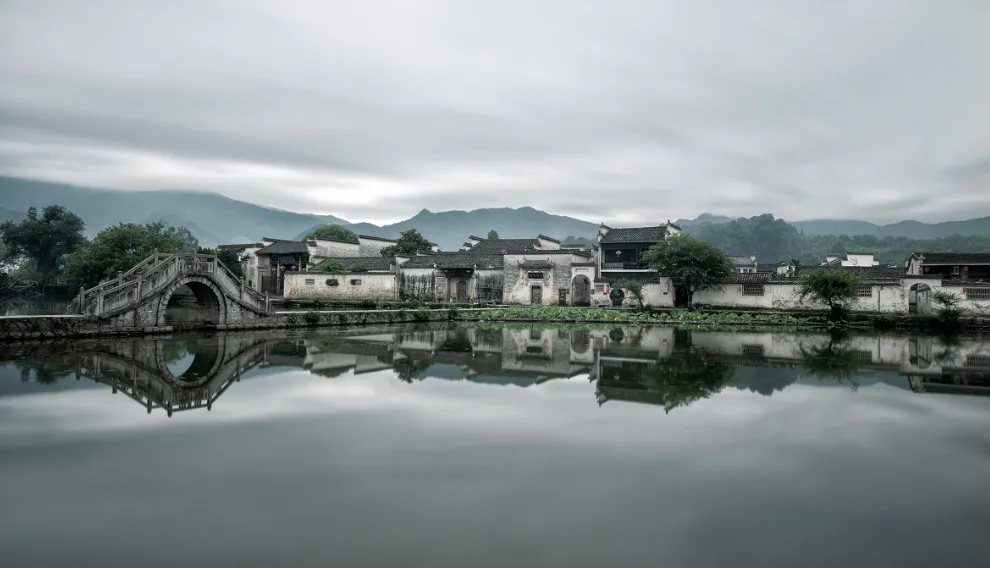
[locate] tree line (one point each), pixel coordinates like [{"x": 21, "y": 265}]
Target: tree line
[
  {"x": 50, "y": 246},
  {"x": 775, "y": 240}
]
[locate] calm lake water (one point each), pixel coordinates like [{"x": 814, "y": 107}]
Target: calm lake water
[{"x": 496, "y": 446}]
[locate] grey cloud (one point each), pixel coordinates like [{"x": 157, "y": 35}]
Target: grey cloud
[{"x": 640, "y": 111}]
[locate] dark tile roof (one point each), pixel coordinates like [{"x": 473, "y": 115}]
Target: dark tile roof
[
  {"x": 284, "y": 247},
  {"x": 240, "y": 246},
  {"x": 506, "y": 246},
  {"x": 371, "y": 238},
  {"x": 955, "y": 258},
  {"x": 636, "y": 235},
  {"x": 360, "y": 263},
  {"x": 546, "y": 238},
  {"x": 456, "y": 260}
]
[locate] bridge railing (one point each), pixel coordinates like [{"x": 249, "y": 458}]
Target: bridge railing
[{"x": 153, "y": 274}]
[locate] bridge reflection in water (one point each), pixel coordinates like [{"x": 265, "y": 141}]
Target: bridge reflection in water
[{"x": 662, "y": 366}]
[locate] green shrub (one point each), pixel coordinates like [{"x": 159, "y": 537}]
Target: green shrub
[{"x": 312, "y": 318}]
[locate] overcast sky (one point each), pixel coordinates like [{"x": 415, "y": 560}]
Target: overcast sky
[{"x": 623, "y": 111}]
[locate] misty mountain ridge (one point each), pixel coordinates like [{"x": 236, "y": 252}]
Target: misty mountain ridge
[
  {"x": 216, "y": 219},
  {"x": 910, "y": 229}
]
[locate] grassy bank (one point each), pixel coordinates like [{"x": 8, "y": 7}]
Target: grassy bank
[{"x": 592, "y": 315}]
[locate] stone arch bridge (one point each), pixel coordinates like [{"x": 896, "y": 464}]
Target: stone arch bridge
[{"x": 139, "y": 297}]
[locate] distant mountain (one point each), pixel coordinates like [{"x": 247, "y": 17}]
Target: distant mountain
[
  {"x": 214, "y": 219},
  {"x": 449, "y": 229},
  {"x": 909, "y": 229},
  {"x": 702, "y": 219}
]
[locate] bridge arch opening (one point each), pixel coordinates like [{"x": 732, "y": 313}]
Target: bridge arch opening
[
  {"x": 191, "y": 360},
  {"x": 193, "y": 303}
]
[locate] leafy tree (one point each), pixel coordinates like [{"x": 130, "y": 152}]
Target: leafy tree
[
  {"x": 119, "y": 248},
  {"x": 189, "y": 241},
  {"x": 835, "y": 288},
  {"x": 768, "y": 238},
  {"x": 948, "y": 306},
  {"x": 228, "y": 257},
  {"x": 410, "y": 243},
  {"x": 690, "y": 263},
  {"x": 635, "y": 288},
  {"x": 43, "y": 239},
  {"x": 333, "y": 233},
  {"x": 334, "y": 266},
  {"x": 493, "y": 235}
]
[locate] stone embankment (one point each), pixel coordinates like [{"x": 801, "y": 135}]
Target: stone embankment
[{"x": 42, "y": 327}]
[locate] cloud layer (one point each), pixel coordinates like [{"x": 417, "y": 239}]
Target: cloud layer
[{"x": 627, "y": 112}]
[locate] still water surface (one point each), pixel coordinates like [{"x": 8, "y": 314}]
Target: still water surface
[{"x": 493, "y": 446}]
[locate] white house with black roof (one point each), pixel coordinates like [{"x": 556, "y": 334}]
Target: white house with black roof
[
  {"x": 345, "y": 279},
  {"x": 620, "y": 258}
]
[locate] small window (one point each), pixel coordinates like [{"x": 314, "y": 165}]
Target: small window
[
  {"x": 534, "y": 349},
  {"x": 955, "y": 271},
  {"x": 535, "y": 276},
  {"x": 311, "y": 281},
  {"x": 978, "y": 361},
  {"x": 865, "y": 291},
  {"x": 865, "y": 357},
  {"x": 978, "y": 293},
  {"x": 355, "y": 282},
  {"x": 599, "y": 288},
  {"x": 752, "y": 289}
]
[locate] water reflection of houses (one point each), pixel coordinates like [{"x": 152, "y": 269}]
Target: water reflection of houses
[
  {"x": 661, "y": 366},
  {"x": 510, "y": 356}
]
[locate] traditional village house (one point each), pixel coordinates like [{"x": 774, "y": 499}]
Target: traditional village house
[
  {"x": 511, "y": 271},
  {"x": 620, "y": 257},
  {"x": 850, "y": 259},
  {"x": 363, "y": 278},
  {"x": 451, "y": 277},
  {"x": 266, "y": 263},
  {"x": 744, "y": 264},
  {"x": 964, "y": 275}
]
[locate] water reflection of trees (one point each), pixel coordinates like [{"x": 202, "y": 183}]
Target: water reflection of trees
[
  {"x": 687, "y": 375},
  {"x": 835, "y": 359}
]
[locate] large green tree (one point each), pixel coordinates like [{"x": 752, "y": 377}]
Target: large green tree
[
  {"x": 691, "y": 263},
  {"x": 119, "y": 248},
  {"x": 333, "y": 233},
  {"x": 410, "y": 243},
  {"x": 835, "y": 288},
  {"x": 770, "y": 239},
  {"x": 493, "y": 235},
  {"x": 43, "y": 239}
]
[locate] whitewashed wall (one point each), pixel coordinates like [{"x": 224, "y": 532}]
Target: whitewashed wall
[
  {"x": 249, "y": 265},
  {"x": 312, "y": 285},
  {"x": 371, "y": 247},
  {"x": 886, "y": 298},
  {"x": 321, "y": 249},
  {"x": 517, "y": 285}
]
